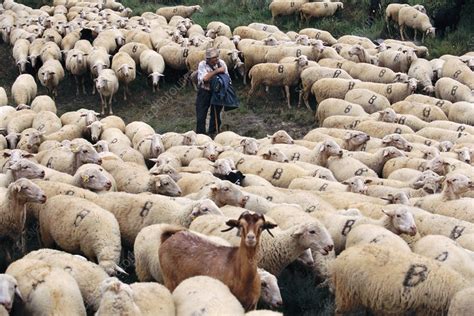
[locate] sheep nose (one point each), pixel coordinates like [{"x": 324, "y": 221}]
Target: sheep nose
[
  {"x": 278, "y": 303},
  {"x": 340, "y": 153},
  {"x": 329, "y": 248},
  {"x": 43, "y": 198},
  {"x": 42, "y": 174},
  {"x": 179, "y": 192},
  {"x": 413, "y": 230},
  {"x": 212, "y": 158},
  {"x": 409, "y": 148},
  {"x": 368, "y": 137},
  {"x": 99, "y": 162},
  {"x": 286, "y": 160}
]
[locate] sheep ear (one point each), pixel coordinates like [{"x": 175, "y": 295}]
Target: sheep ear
[
  {"x": 297, "y": 232},
  {"x": 153, "y": 159},
  {"x": 321, "y": 148},
  {"x": 266, "y": 156},
  {"x": 388, "y": 212},
  {"x": 386, "y": 152},
  {"x": 85, "y": 178},
  {"x": 367, "y": 181},
  {"x": 18, "y": 293},
  {"x": 347, "y": 136},
  {"x": 213, "y": 188},
  {"x": 16, "y": 187}
]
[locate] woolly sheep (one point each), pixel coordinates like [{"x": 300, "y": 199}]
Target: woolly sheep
[
  {"x": 461, "y": 112},
  {"x": 87, "y": 274},
  {"x": 281, "y": 8},
  {"x": 20, "y": 54},
  {"x": 461, "y": 303},
  {"x": 398, "y": 61},
  {"x": 377, "y": 160},
  {"x": 319, "y": 9},
  {"x": 374, "y": 234},
  {"x": 421, "y": 70},
  {"x": 9, "y": 287},
  {"x": 373, "y": 73},
  {"x": 50, "y": 75},
  {"x": 69, "y": 161},
  {"x": 205, "y": 293},
  {"x": 76, "y": 64},
  {"x": 357, "y": 40},
  {"x": 459, "y": 71},
  {"x": 332, "y": 106},
  {"x": 152, "y": 64},
  {"x": 426, "y": 112},
  {"x": 413, "y": 18},
  {"x": 452, "y": 90},
  {"x": 414, "y": 271},
  {"x": 24, "y": 89},
  {"x": 50, "y": 290},
  {"x": 388, "y": 115},
  {"x": 392, "y": 11},
  {"x": 107, "y": 84},
  {"x": 152, "y": 298},
  {"x": 183, "y": 11},
  {"x": 332, "y": 88},
  {"x": 125, "y": 70},
  {"x": 447, "y": 252},
  {"x": 117, "y": 298},
  {"x": 347, "y": 167},
  {"x": 370, "y": 101},
  {"x": 43, "y": 103},
  {"x": 220, "y": 28},
  {"x": 325, "y": 36},
  {"x": 101, "y": 244},
  {"x": 50, "y": 51},
  {"x": 174, "y": 56}
]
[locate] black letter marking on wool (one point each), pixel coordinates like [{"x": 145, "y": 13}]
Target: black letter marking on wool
[
  {"x": 146, "y": 208},
  {"x": 415, "y": 275},
  {"x": 292, "y": 4},
  {"x": 442, "y": 256},
  {"x": 351, "y": 85},
  {"x": 185, "y": 52},
  {"x": 269, "y": 198},
  {"x": 295, "y": 157},
  {"x": 337, "y": 73},
  {"x": 277, "y": 173},
  {"x": 348, "y": 108},
  {"x": 389, "y": 89},
  {"x": 50, "y": 162},
  {"x": 280, "y": 68},
  {"x": 310, "y": 209},
  {"x": 454, "y": 90},
  {"x": 426, "y": 111},
  {"x": 134, "y": 49},
  {"x": 298, "y": 52},
  {"x": 70, "y": 192},
  {"x": 456, "y": 232},
  {"x": 40, "y": 128},
  {"x": 461, "y": 128},
  {"x": 80, "y": 216},
  {"x": 339, "y": 65},
  {"x": 347, "y": 227},
  {"x": 323, "y": 187},
  {"x": 402, "y": 120},
  {"x": 361, "y": 171},
  {"x": 382, "y": 73},
  {"x": 398, "y": 130},
  {"x": 114, "y": 141},
  {"x": 440, "y": 103},
  {"x": 372, "y": 99},
  {"x": 428, "y": 142},
  {"x": 457, "y": 73},
  {"x": 318, "y": 34},
  {"x": 264, "y": 27}
]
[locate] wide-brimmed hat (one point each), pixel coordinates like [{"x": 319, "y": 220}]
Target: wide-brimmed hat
[{"x": 211, "y": 53}]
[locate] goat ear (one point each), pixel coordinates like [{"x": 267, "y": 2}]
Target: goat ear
[
  {"x": 232, "y": 223},
  {"x": 267, "y": 226}
]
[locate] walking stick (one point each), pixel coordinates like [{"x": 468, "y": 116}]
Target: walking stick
[{"x": 215, "y": 119}]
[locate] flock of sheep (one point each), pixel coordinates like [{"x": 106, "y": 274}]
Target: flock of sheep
[{"x": 378, "y": 200}]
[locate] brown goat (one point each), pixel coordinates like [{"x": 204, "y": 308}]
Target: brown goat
[{"x": 184, "y": 255}]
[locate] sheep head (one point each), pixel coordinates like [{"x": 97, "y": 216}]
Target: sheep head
[{"x": 402, "y": 221}]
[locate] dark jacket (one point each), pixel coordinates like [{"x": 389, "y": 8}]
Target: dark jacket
[{"x": 223, "y": 92}]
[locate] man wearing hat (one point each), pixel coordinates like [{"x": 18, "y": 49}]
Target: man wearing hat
[{"x": 207, "y": 69}]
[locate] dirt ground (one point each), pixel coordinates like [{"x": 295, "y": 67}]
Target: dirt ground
[{"x": 172, "y": 108}]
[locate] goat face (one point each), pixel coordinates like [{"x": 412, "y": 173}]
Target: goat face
[{"x": 250, "y": 227}]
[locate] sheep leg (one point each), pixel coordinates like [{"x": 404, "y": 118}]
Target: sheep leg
[
  {"x": 110, "y": 105},
  {"x": 414, "y": 37},
  {"x": 402, "y": 29},
  {"x": 287, "y": 90},
  {"x": 102, "y": 104}
]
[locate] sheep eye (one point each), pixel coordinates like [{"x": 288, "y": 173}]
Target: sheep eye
[
  {"x": 264, "y": 284},
  {"x": 226, "y": 189},
  {"x": 84, "y": 151},
  {"x": 165, "y": 183},
  {"x": 398, "y": 215},
  {"x": 312, "y": 232},
  {"x": 205, "y": 210},
  {"x": 92, "y": 177}
]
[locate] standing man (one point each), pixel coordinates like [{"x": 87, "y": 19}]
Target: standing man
[{"x": 207, "y": 69}]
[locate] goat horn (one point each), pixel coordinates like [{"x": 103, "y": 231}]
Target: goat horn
[{"x": 268, "y": 230}]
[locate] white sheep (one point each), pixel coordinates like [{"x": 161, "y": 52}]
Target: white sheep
[
  {"x": 205, "y": 293},
  {"x": 153, "y": 65},
  {"x": 319, "y": 9},
  {"x": 76, "y": 64},
  {"x": 398, "y": 61},
  {"x": 107, "y": 84},
  {"x": 50, "y": 290},
  {"x": 334, "y": 106},
  {"x": 418, "y": 21},
  {"x": 325, "y": 36},
  {"x": 456, "y": 69},
  {"x": 125, "y": 69},
  {"x": 281, "y": 8},
  {"x": 452, "y": 90},
  {"x": 20, "y": 54},
  {"x": 50, "y": 75},
  {"x": 370, "y": 101},
  {"x": 181, "y": 10},
  {"x": 152, "y": 297},
  {"x": 461, "y": 303},
  {"x": 421, "y": 70},
  {"x": 94, "y": 232},
  {"x": 425, "y": 112},
  {"x": 374, "y": 234},
  {"x": 43, "y": 103},
  {"x": 117, "y": 298},
  {"x": 462, "y": 113},
  {"x": 388, "y": 115},
  {"x": 9, "y": 287},
  {"x": 24, "y": 89}
]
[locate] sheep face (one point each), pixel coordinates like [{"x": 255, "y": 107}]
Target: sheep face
[
  {"x": 166, "y": 169},
  {"x": 281, "y": 137},
  {"x": 330, "y": 148},
  {"x": 205, "y": 207},
  {"x": 388, "y": 115},
  {"x": 391, "y": 152},
  {"x": 155, "y": 79},
  {"x": 437, "y": 165},
  {"x": 157, "y": 146},
  {"x": 95, "y": 130},
  {"x": 324, "y": 174},
  {"x": 13, "y": 139},
  {"x": 249, "y": 145},
  {"x": 48, "y": 76},
  {"x": 21, "y": 64},
  {"x": 419, "y": 181},
  {"x": 270, "y": 292},
  {"x": 314, "y": 236},
  {"x": 464, "y": 154},
  {"x": 302, "y": 40},
  {"x": 165, "y": 185},
  {"x": 27, "y": 191},
  {"x": 398, "y": 198},
  {"x": 223, "y": 166},
  {"x": 224, "y": 193},
  {"x": 25, "y": 168},
  {"x": 210, "y": 151},
  {"x": 397, "y": 141},
  {"x": 275, "y": 155},
  {"x": 211, "y": 33},
  {"x": 95, "y": 180},
  {"x": 458, "y": 183},
  {"x": 8, "y": 289},
  {"x": 189, "y": 138},
  {"x": 357, "y": 185},
  {"x": 445, "y": 146},
  {"x": 101, "y": 146},
  {"x": 87, "y": 154},
  {"x": 356, "y": 138},
  {"x": 402, "y": 221}
]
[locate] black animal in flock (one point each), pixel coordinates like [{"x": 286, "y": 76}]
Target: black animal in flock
[{"x": 447, "y": 16}]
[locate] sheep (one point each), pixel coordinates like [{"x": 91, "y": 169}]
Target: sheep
[
  {"x": 174, "y": 56},
  {"x": 461, "y": 113},
  {"x": 312, "y": 74},
  {"x": 388, "y": 115},
  {"x": 319, "y": 9},
  {"x": 452, "y": 90},
  {"x": 439, "y": 134},
  {"x": 171, "y": 139},
  {"x": 149, "y": 210},
  {"x": 461, "y": 303},
  {"x": 50, "y": 51},
  {"x": 88, "y": 275},
  {"x": 456, "y": 69},
  {"x": 20, "y": 54},
  {"x": 344, "y": 168},
  {"x": 194, "y": 295},
  {"x": 392, "y": 12},
  {"x": 107, "y": 84},
  {"x": 49, "y": 290},
  {"x": 43, "y": 103},
  {"x": 370, "y": 101},
  {"x": 272, "y": 74},
  {"x": 220, "y": 28},
  {"x": 281, "y": 8},
  {"x": 413, "y": 18},
  {"x": 419, "y": 274},
  {"x": 250, "y": 225},
  {"x": 24, "y": 89},
  {"x": 373, "y": 73},
  {"x": 102, "y": 245},
  {"x": 355, "y": 184},
  {"x": 426, "y": 112},
  {"x": 444, "y": 105},
  {"x": 374, "y": 234},
  {"x": 152, "y": 298},
  {"x": 446, "y": 251},
  {"x": 9, "y": 287},
  {"x": 325, "y": 36},
  {"x": 355, "y": 140},
  {"x": 332, "y": 88},
  {"x": 69, "y": 161},
  {"x": 183, "y": 11},
  {"x": 398, "y": 61},
  {"x": 278, "y": 252},
  {"x": 377, "y": 160},
  {"x": 187, "y": 153},
  {"x": 93, "y": 178},
  {"x": 152, "y": 64},
  {"x": 117, "y": 298},
  {"x": 76, "y": 64},
  {"x": 13, "y": 210},
  {"x": 357, "y": 40},
  {"x": 333, "y": 106},
  {"x": 125, "y": 70},
  {"x": 421, "y": 70},
  {"x": 50, "y": 75},
  {"x": 452, "y": 126}
]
